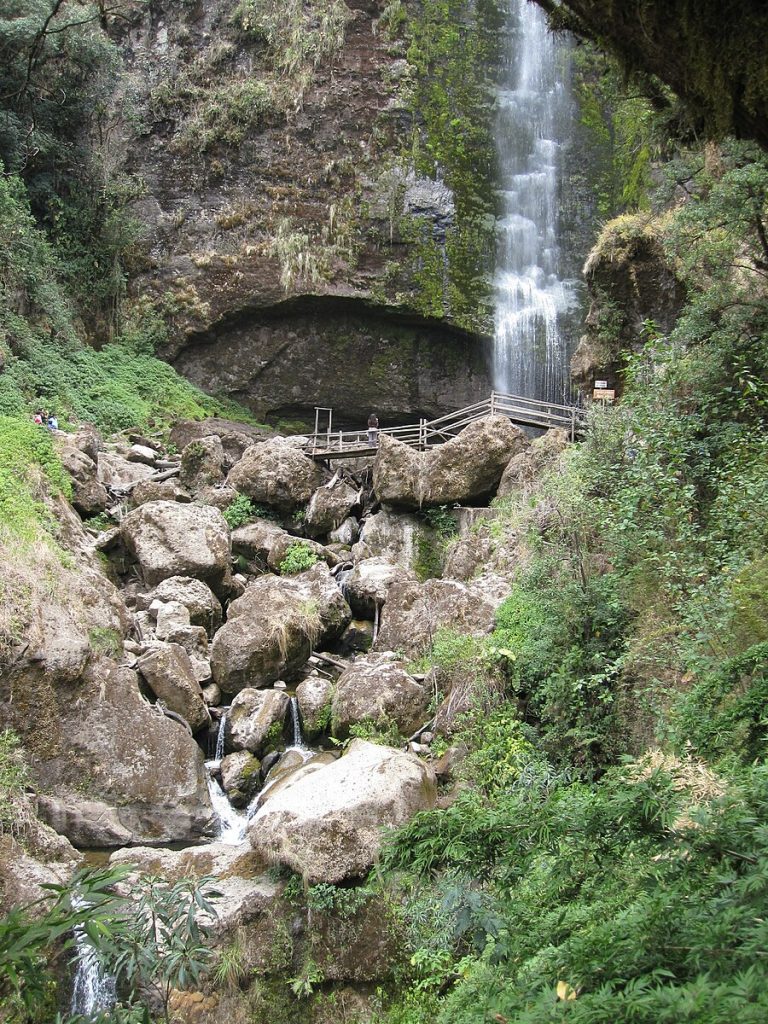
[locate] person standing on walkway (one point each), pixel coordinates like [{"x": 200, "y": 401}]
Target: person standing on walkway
[{"x": 373, "y": 430}]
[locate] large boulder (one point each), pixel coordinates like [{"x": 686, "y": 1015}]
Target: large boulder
[
  {"x": 367, "y": 584},
  {"x": 203, "y": 605},
  {"x": 157, "y": 490},
  {"x": 414, "y": 612},
  {"x": 254, "y": 541},
  {"x": 380, "y": 691},
  {"x": 170, "y": 675},
  {"x": 282, "y": 547},
  {"x": 265, "y": 545},
  {"x": 329, "y": 506},
  {"x": 326, "y": 824},
  {"x": 240, "y": 777},
  {"x": 322, "y": 594},
  {"x": 117, "y": 474},
  {"x": 464, "y": 469},
  {"x": 523, "y": 469},
  {"x": 203, "y": 464},
  {"x": 271, "y": 629},
  {"x": 142, "y": 772},
  {"x": 89, "y": 495},
  {"x": 256, "y": 720},
  {"x": 395, "y": 538},
  {"x": 169, "y": 539},
  {"x": 314, "y": 695},
  {"x": 276, "y": 474},
  {"x": 234, "y": 437}
]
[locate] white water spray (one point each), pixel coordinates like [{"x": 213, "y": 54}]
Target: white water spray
[
  {"x": 93, "y": 990},
  {"x": 534, "y": 110},
  {"x": 232, "y": 824}
]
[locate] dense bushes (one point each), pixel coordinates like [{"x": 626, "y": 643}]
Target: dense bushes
[{"x": 633, "y": 900}]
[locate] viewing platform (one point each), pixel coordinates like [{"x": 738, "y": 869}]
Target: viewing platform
[{"x": 527, "y": 412}]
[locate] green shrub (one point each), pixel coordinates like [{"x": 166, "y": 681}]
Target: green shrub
[
  {"x": 239, "y": 512},
  {"x": 298, "y": 558}
]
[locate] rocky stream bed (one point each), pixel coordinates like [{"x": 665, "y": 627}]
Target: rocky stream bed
[{"x": 220, "y": 688}]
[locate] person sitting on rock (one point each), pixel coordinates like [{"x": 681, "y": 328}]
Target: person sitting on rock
[
  {"x": 53, "y": 423},
  {"x": 373, "y": 430},
  {"x": 38, "y": 417}
]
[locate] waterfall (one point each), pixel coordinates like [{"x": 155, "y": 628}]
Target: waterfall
[
  {"x": 341, "y": 578},
  {"x": 220, "y": 738},
  {"x": 232, "y": 824},
  {"x": 298, "y": 742},
  {"x": 93, "y": 990},
  {"x": 533, "y": 113}
]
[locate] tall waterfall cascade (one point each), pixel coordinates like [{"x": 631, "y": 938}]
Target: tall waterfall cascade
[{"x": 534, "y": 111}]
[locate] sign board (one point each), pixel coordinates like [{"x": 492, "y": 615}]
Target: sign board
[
  {"x": 606, "y": 395},
  {"x": 601, "y": 383}
]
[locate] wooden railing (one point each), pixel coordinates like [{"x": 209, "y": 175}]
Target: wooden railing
[{"x": 524, "y": 411}]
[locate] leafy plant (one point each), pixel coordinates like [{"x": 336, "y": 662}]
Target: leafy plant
[
  {"x": 240, "y": 511},
  {"x": 298, "y": 558}
]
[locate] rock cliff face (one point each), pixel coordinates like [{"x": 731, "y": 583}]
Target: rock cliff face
[
  {"x": 344, "y": 354},
  {"x": 267, "y": 150},
  {"x": 631, "y": 285}
]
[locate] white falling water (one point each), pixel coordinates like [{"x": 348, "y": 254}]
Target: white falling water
[
  {"x": 232, "y": 824},
  {"x": 534, "y": 109},
  {"x": 296, "y": 723},
  {"x": 220, "y": 736},
  {"x": 93, "y": 990}
]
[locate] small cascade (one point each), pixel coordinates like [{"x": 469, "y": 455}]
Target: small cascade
[
  {"x": 220, "y": 737},
  {"x": 298, "y": 739},
  {"x": 534, "y": 117},
  {"x": 232, "y": 824},
  {"x": 341, "y": 578},
  {"x": 93, "y": 990},
  {"x": 296, "y": 722}
]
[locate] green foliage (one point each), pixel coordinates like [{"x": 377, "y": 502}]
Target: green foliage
[
  {"x": 297, "y": 35},
  {"x": 226, "y": 115},
  {"x": 617, "y": 893},
  {"x": 432, "y": 546},
  {"x": 304, "y": 983},
  {"x": 452, "y": 48},
  {"x": 151, "y": 942},
  {"x": 106, "y": 641},
  {"x": 335, "y": 901},
  {"x": 723, "y": 716},
  {"x": 29, "y": 467},
  {"x": 14, "y": 777},
  {"x": 298, "y": 558},
  {"x": 239, "y": 511},
  {"x": 382, "y": 730},
  {"x": 499, "y": 751},
  {"x": 230, "y": 970},
  {"x": 114, "y": 389}
]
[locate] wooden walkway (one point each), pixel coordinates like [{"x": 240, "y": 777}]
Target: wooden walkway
[{"x": 354, "y": 444}]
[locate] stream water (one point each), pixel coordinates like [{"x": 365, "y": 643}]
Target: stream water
[
  {"x": 93, "y": 989},
  {"x": 534, "y": 112}
]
